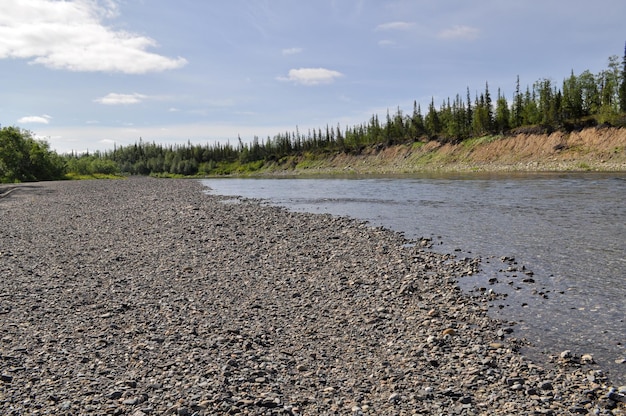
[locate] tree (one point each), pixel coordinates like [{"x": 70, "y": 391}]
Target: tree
[
  {"x": 622, "y": 87},
  {"x": 547, "y": 106},
  {"x": 530, "y": 112},
  {"x": 609, "y": 82},
  {"x": 22, "y": 158},
  {"x": 489, "y": 109},
  {"x": 417, "y": 121},
  {"x": 590, "y": 93},
  {"x": 518, "y": 100},
  {"x": 503, "y": 114},
  {"x": 432, "y": 123},
  {"x": 572, "y": 98}
]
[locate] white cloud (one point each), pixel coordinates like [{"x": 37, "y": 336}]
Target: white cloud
[
  {"x": 394, "y": 26},
  {"x": 44, "y": 119},
  {"x": 311, "y": 76},
  {"x": 292, "y": 51},
  {"x": 116, "y": 99},
  {"x": 459, "y": 32},
  {"x": 70, "y": 35},
  {"x": 386, "y": 43}
]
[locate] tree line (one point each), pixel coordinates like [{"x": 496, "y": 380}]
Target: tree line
[{"x": 581, "y": 100}]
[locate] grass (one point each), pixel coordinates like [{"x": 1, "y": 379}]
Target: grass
[
  {"x": 473, "y": 142},
  {"x": 73, "y": 176}
]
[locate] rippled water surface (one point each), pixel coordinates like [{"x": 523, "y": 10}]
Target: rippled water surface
[{"x": 568, "y": 229}]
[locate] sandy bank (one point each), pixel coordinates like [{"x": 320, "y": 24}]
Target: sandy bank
[{"x": 592, "y": 149}]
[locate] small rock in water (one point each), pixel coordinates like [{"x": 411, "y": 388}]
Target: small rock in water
[
  {"x": 567, "y": 354},
  {"x": 587, "y": 359}
]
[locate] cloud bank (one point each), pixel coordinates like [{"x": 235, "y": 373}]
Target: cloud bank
[
  {"x": 459, "y": 32},
  {"x": 45, "y": 119},
  {"x": 311, "y": 76},
  {"x": 394, "y": 26},
  {"x": 70, "y": 35},
  {"x": 292, "y": 51},
  {"x": 117, "y": 99}
]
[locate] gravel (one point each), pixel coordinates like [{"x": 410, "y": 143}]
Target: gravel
[{"x": 149, "y": 297}]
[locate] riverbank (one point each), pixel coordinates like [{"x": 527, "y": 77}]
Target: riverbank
[
  {"x": 592, "y": 149},
  {"x": 148, "y": 296}
]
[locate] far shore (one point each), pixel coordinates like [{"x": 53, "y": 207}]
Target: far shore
[{"x": 596, "y": 149}]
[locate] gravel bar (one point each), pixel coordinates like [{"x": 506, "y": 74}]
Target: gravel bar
[{"x": 148, "y": 296}]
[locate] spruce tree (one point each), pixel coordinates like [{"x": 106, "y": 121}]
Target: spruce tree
[{"x": 622, "y": 89}]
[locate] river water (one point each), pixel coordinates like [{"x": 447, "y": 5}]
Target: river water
[{"x": 566, "y": 232}]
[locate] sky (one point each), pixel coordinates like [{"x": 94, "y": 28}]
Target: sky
[{"x": 88, "y": 75}]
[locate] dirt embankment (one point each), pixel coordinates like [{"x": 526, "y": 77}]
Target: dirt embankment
[{"x": 598, "y": 149}]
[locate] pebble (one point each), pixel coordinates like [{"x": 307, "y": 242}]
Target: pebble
[{"x": 145, "y": 296}]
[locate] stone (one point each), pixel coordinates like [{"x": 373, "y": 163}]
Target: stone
[
  {"x": 394, "y": 397},
  {"x": 546, "y": 385},
  {"x": 248, "y": 309},
  {"x": 586, "y": 359},
  {"x": 114, "y": 395}
]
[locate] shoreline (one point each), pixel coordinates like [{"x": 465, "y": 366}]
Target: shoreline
[
  {"x": 595, "y": 149},
  {"x": 148, "y": 296}
]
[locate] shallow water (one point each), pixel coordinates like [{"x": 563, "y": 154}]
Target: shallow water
[{"x": 568, "y": 229}]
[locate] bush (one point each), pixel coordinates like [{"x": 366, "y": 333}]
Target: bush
[{"x": 22, "y": 158}]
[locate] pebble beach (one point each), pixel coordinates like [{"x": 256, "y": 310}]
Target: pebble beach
[{"x": 148, "y": 296}]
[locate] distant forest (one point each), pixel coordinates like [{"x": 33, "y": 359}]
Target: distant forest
[{"x": 580, "y": 101}]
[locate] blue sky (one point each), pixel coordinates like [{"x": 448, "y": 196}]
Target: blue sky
[{"x": 85, "y": 74}]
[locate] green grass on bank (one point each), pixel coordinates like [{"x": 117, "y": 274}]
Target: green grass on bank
[{"x": 77, "y": 176}]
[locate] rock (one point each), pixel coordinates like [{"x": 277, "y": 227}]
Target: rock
[
  {"x": 546, "y": 385},
  {"x": 567, "y": 354},
  {"x": 114, "y": 395},
  {"x": 394, "y": 397},
  {"x": 617, "y": 396},
  {"x": 448, "y": 331},
  {"x": 587, "y": 359}
]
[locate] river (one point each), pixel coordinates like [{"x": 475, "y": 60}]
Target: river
[{"x": 566, "y": 232}]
